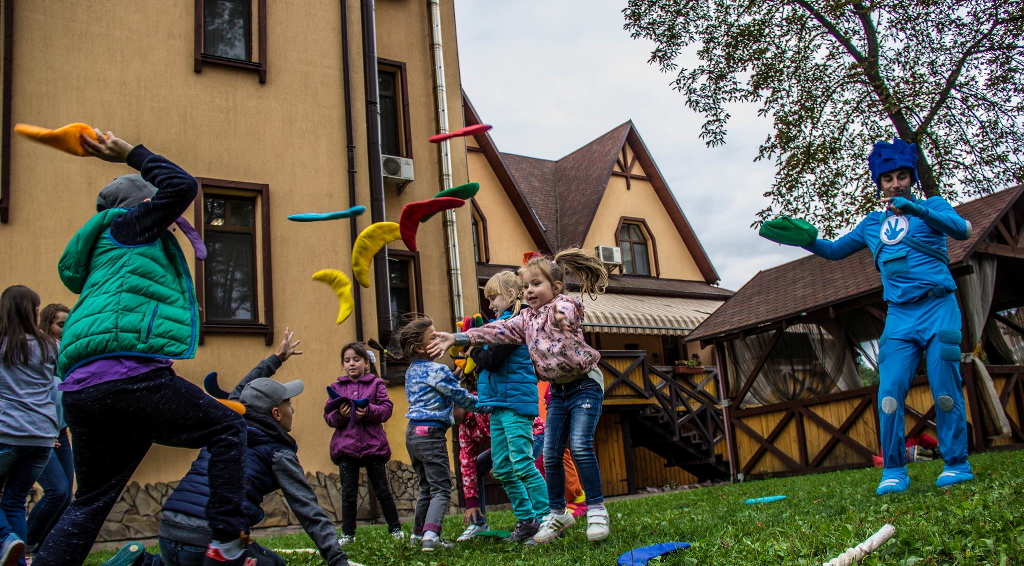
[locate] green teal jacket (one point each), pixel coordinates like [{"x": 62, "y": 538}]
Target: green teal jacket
[{"x": 135, "y": 300}]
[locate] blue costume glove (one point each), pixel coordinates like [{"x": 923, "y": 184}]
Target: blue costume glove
[{"x": 906, "y": 206}]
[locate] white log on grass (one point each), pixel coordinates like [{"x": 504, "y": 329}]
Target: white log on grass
[{"x": 857, "y": 553}]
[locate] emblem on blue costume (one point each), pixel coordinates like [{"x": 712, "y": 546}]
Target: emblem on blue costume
[{"x": 894, "y": 229}]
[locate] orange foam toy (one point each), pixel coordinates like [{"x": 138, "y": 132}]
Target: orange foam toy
[{"x": 65, "y": 139}]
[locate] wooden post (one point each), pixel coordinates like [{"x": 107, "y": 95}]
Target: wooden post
[
  {"x": 627, "y": 449},
  {"x": 723, "y": 395}
]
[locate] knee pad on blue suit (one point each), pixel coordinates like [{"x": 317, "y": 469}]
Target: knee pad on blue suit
[{"x": 950, "y": 339}]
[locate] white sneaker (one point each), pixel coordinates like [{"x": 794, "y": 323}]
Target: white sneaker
[
  {"x": 597, "y": 525},
  {"x": 471, "y": 531},
  {"x": 553, "y": 526},
  {"x": 398, "y": 535},
  {"x": 415, "y": 540},
  {"x": 345, "y": 540}
]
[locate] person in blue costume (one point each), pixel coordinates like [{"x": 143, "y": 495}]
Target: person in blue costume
[{"x": 908, "y": 242}]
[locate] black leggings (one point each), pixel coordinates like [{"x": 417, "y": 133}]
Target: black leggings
[{"x": 377, "y": 472}]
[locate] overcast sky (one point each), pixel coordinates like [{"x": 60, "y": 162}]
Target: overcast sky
[{"x": 552, "y": 75}]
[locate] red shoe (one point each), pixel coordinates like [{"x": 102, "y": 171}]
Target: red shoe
[{"x": 252, "y": 556}]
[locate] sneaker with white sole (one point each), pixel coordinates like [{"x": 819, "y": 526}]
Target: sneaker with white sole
[
  {"x": 431, "y": 544},
  {"x": 345, "y": 540},
  {"x": 11, "y": 550},
  {"x": 415, "y": 540},
  {"x": 597, "y": 525},
  {"x": 553, "y": 526},
  {"x": 523, "y": 531},
  {"x": 398, "y": 534},
  {"x": 471, "y": 531}
]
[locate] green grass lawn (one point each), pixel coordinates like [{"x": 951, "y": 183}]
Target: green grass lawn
[{"x": 979, "y": 522}]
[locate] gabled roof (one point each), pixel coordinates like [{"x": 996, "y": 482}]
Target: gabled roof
[
  {"x": 538, "y": 230},
  {"x": 564, "y": 195},
  {"x": 811, "y": 283}
]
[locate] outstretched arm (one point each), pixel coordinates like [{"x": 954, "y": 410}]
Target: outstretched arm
[
  {"x": 506, "y": 331},
  {"x": 445, "y": 382},
  {"x": 269, "y": 366},
  {"x": 937, "y": 213},
  {"x": 842, "y": 248},
  {"x": 302, "y": 500}
]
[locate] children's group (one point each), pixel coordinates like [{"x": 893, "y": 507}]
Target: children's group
[{"x": 103, "y": 371}]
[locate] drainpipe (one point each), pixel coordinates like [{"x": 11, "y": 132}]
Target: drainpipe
[
  {"x": 351, "y": 145},
  {"x": 451, "y": 237},
  {"x": 376, "y": 174}
]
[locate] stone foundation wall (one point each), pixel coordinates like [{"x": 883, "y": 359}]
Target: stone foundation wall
[{"x": 136, "y": 515}]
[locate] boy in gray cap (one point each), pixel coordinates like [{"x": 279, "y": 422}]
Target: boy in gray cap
[{"x": 271, "y": 465}]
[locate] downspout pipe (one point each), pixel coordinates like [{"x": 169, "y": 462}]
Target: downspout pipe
[
  {"x": 351, "y": 150},
  {"x": 376, "y": 174},
  {"x": 451, "y": 235}
]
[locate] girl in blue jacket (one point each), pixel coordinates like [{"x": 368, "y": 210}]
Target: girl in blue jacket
[{"x": 508, "y": 385}]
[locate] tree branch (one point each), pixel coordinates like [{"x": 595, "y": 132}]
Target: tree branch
[
  {"x": 833, "y": 30},
  {"x": 954, "y": 74}
]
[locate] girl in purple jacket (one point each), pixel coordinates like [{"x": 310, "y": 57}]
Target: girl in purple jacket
[{"x": 357, "y": 407}]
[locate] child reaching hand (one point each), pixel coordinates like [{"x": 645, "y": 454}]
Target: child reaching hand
[
  {"x": 359, "y": 440},
  {"x": 432, "y": 390},
  {"x": 552, "y": 329}
]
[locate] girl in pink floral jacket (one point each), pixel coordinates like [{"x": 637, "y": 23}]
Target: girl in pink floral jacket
[{"x": 552, "y": 329}]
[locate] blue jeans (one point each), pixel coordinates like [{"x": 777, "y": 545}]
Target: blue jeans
[
  {"x": 56, "y": 480},
  {"x": 173, "y": 553},
  {"x": 573, "y": 413},
  {"x": 19, "y": 468}
]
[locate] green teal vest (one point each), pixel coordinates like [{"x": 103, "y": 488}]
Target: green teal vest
[{"x": 134, "y": 300}]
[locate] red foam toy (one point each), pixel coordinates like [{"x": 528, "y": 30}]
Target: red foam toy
[
  {"x": 461, "y": 132},
  {"x": 414, "y": 211}
]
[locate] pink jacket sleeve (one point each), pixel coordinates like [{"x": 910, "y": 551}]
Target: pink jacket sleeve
[
  {"x": 507, "y": 331},
  {"x": 572, "y": 309}
]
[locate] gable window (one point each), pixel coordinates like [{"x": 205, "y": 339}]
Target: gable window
[
  {"x": 635, "y": 257},
  {"x": 227, "y": 31},
  {"x": 405, "y": 285},
  {"x": 233, "y": 283},
  {"x": 393, "y": 95}
]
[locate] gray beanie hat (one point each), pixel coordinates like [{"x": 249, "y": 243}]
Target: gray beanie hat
[{"x": 124, "y": 192}]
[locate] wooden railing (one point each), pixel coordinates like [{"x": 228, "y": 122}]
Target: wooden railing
[{"x": 685, "y": 404}]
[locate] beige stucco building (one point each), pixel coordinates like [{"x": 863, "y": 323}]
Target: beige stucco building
[{"x": 267, "y": 104}]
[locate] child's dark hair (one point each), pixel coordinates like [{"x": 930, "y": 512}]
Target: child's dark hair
[
  {"x": 49, "y": 314},
  {"x": 362, "y": 351},
  {"x": 410, "y": 335},
  {"x": 586, "y": 266},
  {"x": 18, "y": 306}
]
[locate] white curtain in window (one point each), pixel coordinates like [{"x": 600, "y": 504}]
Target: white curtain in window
[{"x": 977, "y": 290}]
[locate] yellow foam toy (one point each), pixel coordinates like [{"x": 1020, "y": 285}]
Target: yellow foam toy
[
  {"x": 65, "y": 139},
  {"x": 369, "y": 242},
  {"x": 342, "y": 286}
]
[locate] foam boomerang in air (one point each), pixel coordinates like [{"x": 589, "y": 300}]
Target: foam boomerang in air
[
  {"x": 369, "y": 242},
  {"x": 65, "y": 139},
  {"x": 413, "y": 212},
  {"x": 213, "y": 390},
  {"x": 342, "y": 286},
  {"x": 464, "y": 192},
  {"x": 321, "y": 216},
  {"x": 461, "y": 132}
]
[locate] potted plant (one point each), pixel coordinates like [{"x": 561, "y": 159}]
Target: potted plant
[{"x": 688, "y": 366}]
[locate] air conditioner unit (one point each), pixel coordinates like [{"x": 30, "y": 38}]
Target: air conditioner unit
[
  {"x": 397, "y": 170},
  {"x": 609, "y": 255}
]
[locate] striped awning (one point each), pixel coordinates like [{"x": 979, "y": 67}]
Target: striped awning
[{"x": 637, "y": 314}]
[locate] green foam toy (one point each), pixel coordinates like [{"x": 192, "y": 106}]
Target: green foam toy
[
  {"x": 494, "y": 534},
  {"x": 789, "y": 231},
  {"x": 464, "y": 192}
]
